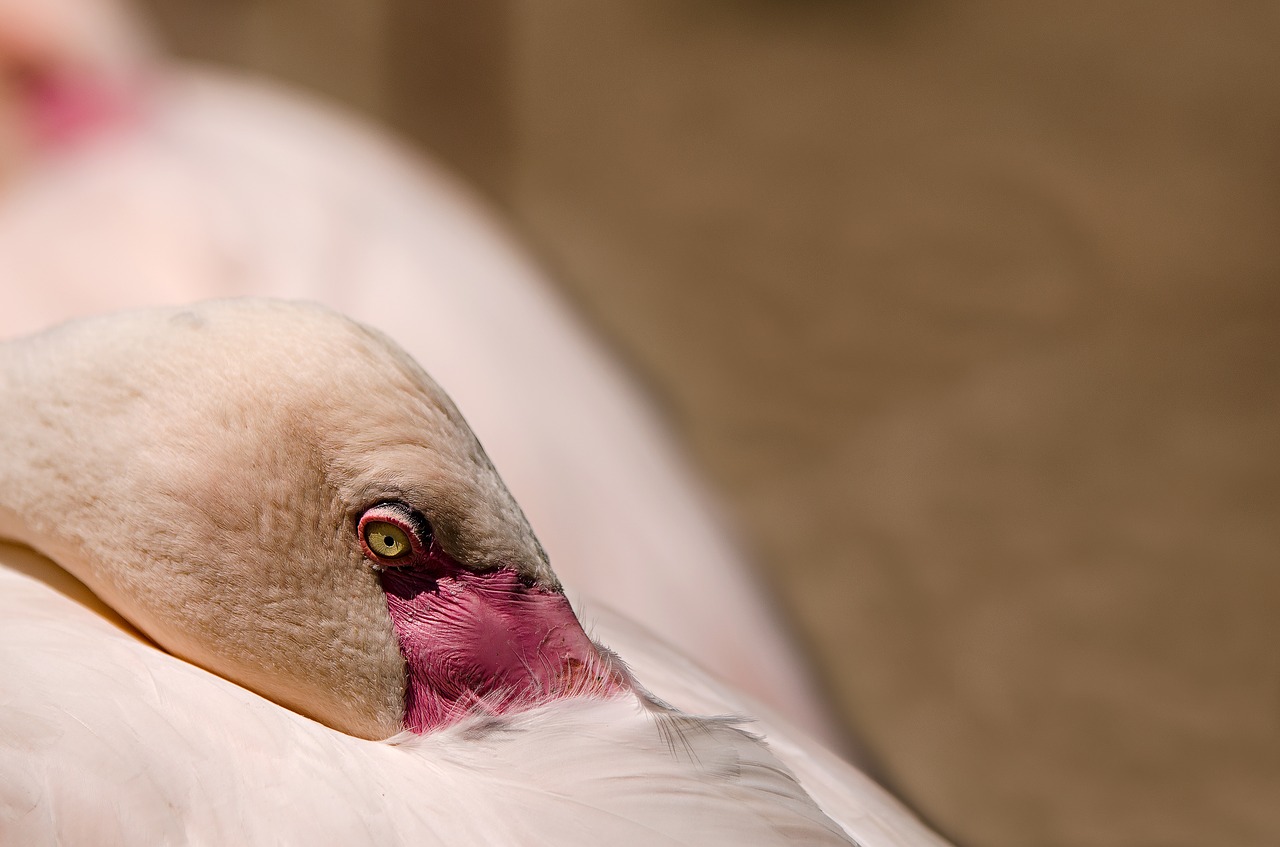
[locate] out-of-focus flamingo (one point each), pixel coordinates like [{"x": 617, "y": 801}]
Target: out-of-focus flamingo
[
  {"x": 67, "y": 68},
  {"x": 282, "y": 497},
  {"x": 149, "y": 183}
]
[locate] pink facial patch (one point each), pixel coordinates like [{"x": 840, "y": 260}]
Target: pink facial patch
[
  {"x": 487, "y": 643},
  {"x": 64, "y": 108}
]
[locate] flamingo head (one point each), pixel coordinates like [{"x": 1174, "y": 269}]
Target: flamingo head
[
  {"x": 285, "y": 498},
  {"x": 68, "y": 69}
]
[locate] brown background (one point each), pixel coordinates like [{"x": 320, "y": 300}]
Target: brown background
[{"x": 971, "y": 312}]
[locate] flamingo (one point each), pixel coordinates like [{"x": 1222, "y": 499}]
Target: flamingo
[
  {"x": 143, "y": 182},
  {"x": 283, "y": 501}
]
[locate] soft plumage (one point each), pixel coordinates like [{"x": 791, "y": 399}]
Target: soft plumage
[
  {"x": 136, "y": 767},
  {"x": 205, "y": 470}
]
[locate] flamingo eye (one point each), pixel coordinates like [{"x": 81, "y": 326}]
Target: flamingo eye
[
  {"x": 386, "y": 540},
  {"x": 393, "y": 531}
]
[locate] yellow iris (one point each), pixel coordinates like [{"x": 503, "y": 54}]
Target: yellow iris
[{"x": 386, "y": 540}]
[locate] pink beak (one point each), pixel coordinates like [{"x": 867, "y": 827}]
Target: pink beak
[{"x": 488, "y": 643}]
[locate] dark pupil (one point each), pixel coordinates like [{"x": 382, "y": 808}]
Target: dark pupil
[{"x": 388, "y": 540}]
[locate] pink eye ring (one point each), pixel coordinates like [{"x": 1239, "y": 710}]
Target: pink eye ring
[{"x": 391, "y": 534}]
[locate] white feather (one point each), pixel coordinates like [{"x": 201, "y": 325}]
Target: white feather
[{"x": 105, "y": 739}]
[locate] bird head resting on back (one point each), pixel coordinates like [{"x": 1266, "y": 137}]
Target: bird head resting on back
[{"x": 284, "y": 497}]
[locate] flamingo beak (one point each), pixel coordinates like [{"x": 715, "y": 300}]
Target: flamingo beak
[{"x": 488, "y": 643}]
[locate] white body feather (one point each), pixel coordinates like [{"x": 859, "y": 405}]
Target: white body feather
[{"x": 105, "y": 739}]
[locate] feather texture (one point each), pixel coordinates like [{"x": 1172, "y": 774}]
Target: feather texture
[{"x": 106, "y": 740}]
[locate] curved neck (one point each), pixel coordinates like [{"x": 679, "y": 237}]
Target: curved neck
[
  {"x": 30, "y": 437},
  {"x": 49, "y": 473}
]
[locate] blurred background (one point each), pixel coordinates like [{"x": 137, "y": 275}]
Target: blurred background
[{"x": 969, "y": 313}]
